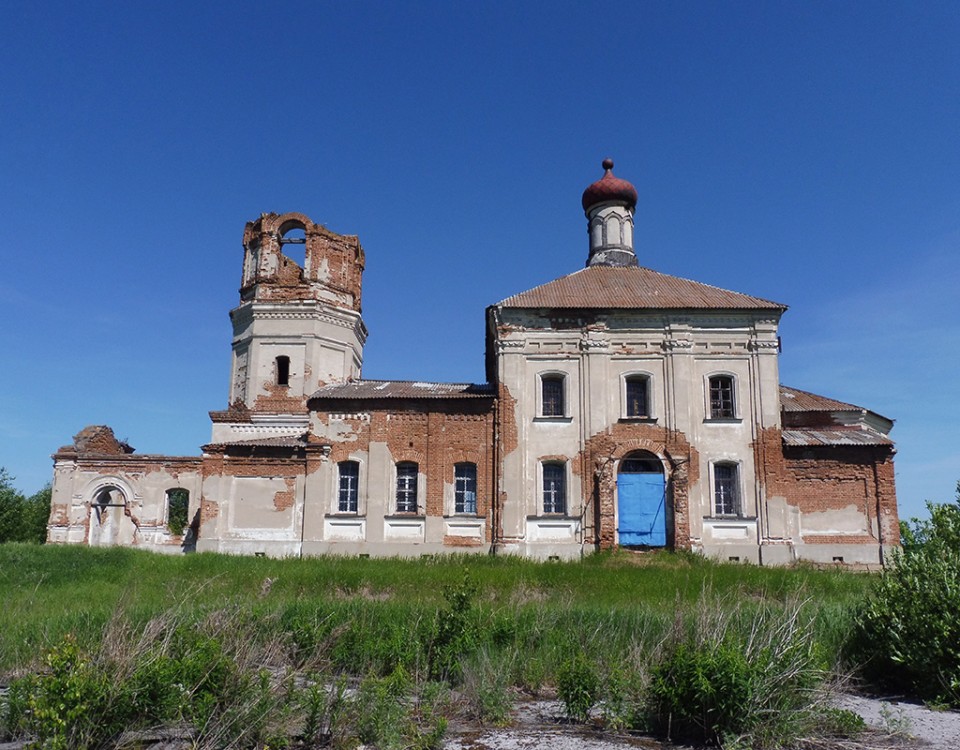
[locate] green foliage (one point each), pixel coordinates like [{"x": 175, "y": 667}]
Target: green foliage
[
  {"x": 908, "y": 632},
  {"x": 384, "y": 720},
  {"x": 22, "y": 519},
  {"x": 455, "y": 632},
  {"x": 178, "y": 507},
  {"x": 578, "y": 686},
  {"x": 718, "y": 682},
  {"x": 325, "y": 712}
]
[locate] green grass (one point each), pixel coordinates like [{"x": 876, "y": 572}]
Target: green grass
[{"x": 370, "y": 613}]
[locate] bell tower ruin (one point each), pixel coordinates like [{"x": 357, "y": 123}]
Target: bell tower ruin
[{"x": 297, "y": 327}]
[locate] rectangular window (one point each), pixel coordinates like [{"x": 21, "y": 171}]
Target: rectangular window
[
  {"x": 465, "y": 488},
  {"x": 551, "y": 402},
  {"x": 554, "y": 488},
  {"x": 721, "y": 397},
  {"x": 637, "y": 397},
  {"x": 349, "y": 486},
  {"x": 726, "y": 489},
  {"x": 406, "y": 488}
]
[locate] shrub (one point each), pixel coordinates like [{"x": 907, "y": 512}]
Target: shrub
[
  {"x": 455, "y": 632},
  {"x": 579, "y": 687},
  {"x": 907, "y": 635},
  {"x": 749, "y": 677},
  {"x": 22, "y": 519}
]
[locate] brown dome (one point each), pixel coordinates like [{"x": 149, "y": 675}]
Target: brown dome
[{"x": 609, "y": 189}]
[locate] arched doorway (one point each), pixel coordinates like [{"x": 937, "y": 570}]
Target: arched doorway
[
  {"x": 110, "y": 524},
  {"x": 641, "y": 501}
]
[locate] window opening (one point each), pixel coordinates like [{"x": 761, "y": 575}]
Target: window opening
[
  {"x": 552, "y": 396},
  {"x": 465, "y": 488},
  {"x": 349, "y": 486},
  {"x": 726, "y": 491},
  {"x": 178, "y": 507},
  {"x": 641, "y": 466},
  {"x": 283, "y": 370},
  {"x": 293, "y": 244},
  {"x": 407, "y": 488},
  {"x": 554, "y": 488},
  {"x": 637, "y": 397},
  {"x": 721, "y": 397}
]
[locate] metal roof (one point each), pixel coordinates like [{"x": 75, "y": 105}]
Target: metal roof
[
  {"x": 283, "y": 441},
  {"x": 377, "y": 389},
  {"x": 816, "y": 437},
  {"x": 793, "y": 399},
  {"x": 633, "y": 287}
]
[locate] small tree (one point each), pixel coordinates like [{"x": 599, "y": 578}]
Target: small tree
[
  {"x": 22, "y": 519},
  {"x": 908, "y": 631}
]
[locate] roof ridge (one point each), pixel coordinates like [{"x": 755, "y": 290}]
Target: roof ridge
[{"x": 637, "y": 287}]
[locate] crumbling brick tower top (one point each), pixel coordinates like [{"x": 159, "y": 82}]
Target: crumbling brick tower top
[
  {"x": 297, "y": 327},
  {"x": 331, "y": 272}
]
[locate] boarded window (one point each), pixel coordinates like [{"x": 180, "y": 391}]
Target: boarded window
[
  {"x": 349, "y": 473},
  {"x": 554, "y": 488},
  {"x": 406, "y": 487},
  {"x": 465, "y": 488}
]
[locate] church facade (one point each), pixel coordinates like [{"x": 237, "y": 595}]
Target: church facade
[{"x": 623, "y": 407}]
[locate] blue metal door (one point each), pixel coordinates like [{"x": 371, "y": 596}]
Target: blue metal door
[{"x": 641, "y": 509}]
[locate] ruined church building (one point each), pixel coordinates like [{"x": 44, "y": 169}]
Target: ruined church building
[{"x": 623, "y": 407}]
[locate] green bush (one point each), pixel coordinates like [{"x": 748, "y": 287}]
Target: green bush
[
  {"x": 578, "y": 685},
  {"x": 22, "y": 519},
  {"x": 907, "y": 635},
  {"x": 746, "y": 677}
]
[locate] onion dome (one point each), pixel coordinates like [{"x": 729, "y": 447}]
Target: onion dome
[{"x": 609, "y": 189}]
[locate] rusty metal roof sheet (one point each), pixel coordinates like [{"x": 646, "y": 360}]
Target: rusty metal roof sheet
[
  {"x": 793, "y": 399},
  {"x": 633, "y": 287},
  {"x": 840, "y": 436},
  {"x": 288, "y": 441},
  {"x": 377, "y": 389}
]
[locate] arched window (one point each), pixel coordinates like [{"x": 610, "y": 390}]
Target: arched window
[
  {"x": 637, "y": 395},
  {"x": 552, "y": 402},
  {"x": 349, "y": 486},
  {"x": 722, "y": 397},
  {"x": 407, "y": 487},
  {"x": 293, "y": 241},
  {"x": 178, "y": 509},
  {"x": 465, "y": 488},
  {"x": 283, "y": 370},
  {"x": 726, "y": 489},
  {"x": 554, "y": 488}
]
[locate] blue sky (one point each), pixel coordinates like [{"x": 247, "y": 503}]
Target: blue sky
[{"x": 803, "y": 152}]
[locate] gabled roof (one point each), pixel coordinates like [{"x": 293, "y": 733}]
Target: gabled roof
[
  {"x": 793, "y": 399},
  {"x": 633, "y": 287},
  {"x": 378, "y": 389}
]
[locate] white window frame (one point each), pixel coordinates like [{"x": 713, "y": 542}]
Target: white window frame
[
  {"x": 336, "y": 494},
  {"x": 416, "y": 488},
  {"x": 738, "y": 487},
  {"x": 476, "y": 480},
  {"x": 564, "y": 467}
]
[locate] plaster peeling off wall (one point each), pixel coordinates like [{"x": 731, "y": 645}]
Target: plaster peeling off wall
[
  {"x": 261, "y": 503},
  {"x": 848, "y": 520}
]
